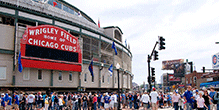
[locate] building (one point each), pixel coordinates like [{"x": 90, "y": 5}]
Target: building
[
  {"x": 197, "y": 78},
  {"x": 42, "y": 72},
  {"x": 168, "y": 80}
]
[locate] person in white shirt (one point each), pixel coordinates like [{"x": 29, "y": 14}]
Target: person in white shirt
[
  {"x": 154, "y": 96},
  {"x": 60, "y": 103},
  {"x": 145, "y": 99},
  {"x": 31, "y": 99},
  {"x": 113, "y": 101},
  {"x": 201, "y": 102}
]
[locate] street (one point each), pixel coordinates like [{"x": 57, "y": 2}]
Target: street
[{"x": 141, "y": 108}]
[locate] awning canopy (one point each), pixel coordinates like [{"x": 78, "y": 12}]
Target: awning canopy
[{"x": 214, "y": 84}]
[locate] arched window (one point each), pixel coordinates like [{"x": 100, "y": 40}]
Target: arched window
[
  {"x": 103, "y": 79},
  {"x": 85, "y": 77}
]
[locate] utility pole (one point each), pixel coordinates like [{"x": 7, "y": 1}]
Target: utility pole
[{"x": 161, "y": 47}]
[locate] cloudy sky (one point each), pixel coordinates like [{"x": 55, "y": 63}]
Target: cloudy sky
[{"x": 190, "y": 27}]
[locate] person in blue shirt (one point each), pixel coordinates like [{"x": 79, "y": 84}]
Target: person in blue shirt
[
  {"x": 106, "y": 99},
  {"x": 123, "y": 100},
  {"x": 130, "y": 99},
  {"x": 169, "y": 100},
  {"x": 9, "y": 102},
  {"x": 16, "y": 101},
  {"x": 213, "y": 104},
  {"x": 188, "y": 96},
  {"x": 3, "y": 101}
]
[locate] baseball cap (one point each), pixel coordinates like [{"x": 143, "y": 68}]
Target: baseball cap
[
  {"x": 154, "y": 89},
  {"x": 196, "y": 90},
  {"x": 2, "y": 94}
]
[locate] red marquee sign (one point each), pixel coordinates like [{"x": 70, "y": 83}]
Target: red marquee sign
[
  {"x": 172, "y": 78},
  {"x": 50, "y": 47}
]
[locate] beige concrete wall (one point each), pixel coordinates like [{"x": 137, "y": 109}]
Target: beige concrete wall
[
  {"x": 109, "y": 32},
  {"x": 106, "y": 74},
  {"x": 89, "y": 82},
  {"x": 65, "y": 79},
  {"x": 6, "y": 61},
  {"x": 33, "y": 81},
  {"x": 7, "y": 37}
]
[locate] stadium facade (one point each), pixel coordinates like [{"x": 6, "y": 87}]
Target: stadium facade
[{"x": 45, "y": 64}]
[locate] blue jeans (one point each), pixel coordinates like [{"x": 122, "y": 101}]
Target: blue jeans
[
  {"x": 30, "y": 105},
  {"x": 95, "y": 105},
  {"x": 76, "y": 106},
  {"x": 135, "y": 105},
  {"x": 188, "y": 106},
  {"x": 130, "y": 104},
  {"x": 176, "y": 107},
  {"x": 208, "y": 107},
  {"x": 85, "y": 105},
  {"x": 99, "y": 104}
]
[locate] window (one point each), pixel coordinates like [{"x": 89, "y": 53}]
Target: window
[
  {"x": 60, "y": 76},
  {"x": 187, "y": 81},
  {"x": 7, "y": 21},
  {"x": 108, "y": 79},
  {"x": 2, "y": 72},
  {"x": 70, "y": 77},
  {"x": 40, "y": 75},
  {"x": 103, "y": 79},
  {"x": 194, "y": 79},
  {"x": 26, "y": 74},
  {"x": 85, "y": 77},
  {"x": 92, "y": 78},
  {"x": 190, "y": 80},
  {"x": 115, "y": 80}
]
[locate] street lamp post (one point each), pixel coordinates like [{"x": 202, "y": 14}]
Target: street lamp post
[
  {"x": 101, "y": 67},
  {"x": 118, "y": 67}
]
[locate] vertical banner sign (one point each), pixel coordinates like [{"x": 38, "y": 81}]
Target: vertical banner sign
[
  {"x": 50, "y": 47},
  {"x": 215, "y": 61}
]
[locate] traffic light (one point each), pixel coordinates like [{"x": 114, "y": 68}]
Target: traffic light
[
  {"x": 161, "y": 42},
  {"x": 153, "y": 71},
  {"x": 153, "y": 74},
  {"x": 155, "y": 55}
]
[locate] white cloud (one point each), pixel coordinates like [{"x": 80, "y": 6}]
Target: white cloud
[{"x": 189, "y": 34}]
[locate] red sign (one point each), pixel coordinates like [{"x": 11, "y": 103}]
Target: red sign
[
  {"x": 50, "y": 47},
  {"x": 172, "y": 78}
]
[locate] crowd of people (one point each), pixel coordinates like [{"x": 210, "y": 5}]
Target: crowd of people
[{"x": 190, "y": 99}]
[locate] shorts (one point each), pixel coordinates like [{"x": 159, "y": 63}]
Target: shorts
[
  {"x": 145, "y": 105},
  {"x": 8, "y": 107},
  {"x": 16, "y": 106},
  {"x": 115, "y": 104},
  {"x": 111, "y": 104},
  {"x": 153, "y": 104},
  {"x": 106, "y": 105}
]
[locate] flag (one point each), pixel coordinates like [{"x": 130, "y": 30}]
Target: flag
[
  {"x": 114, "y": 47},
  {"x": 20, "y": 67},
  {"x": 111, "y": 70},
  {"x": 91, "y": 68},
  {"x": 126, "y": 42},
  {"x": 99, "y": 23},
  {"x": 54, "y": 4}
]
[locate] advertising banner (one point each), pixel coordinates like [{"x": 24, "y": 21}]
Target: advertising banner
[
  {"x": 170, "y": 64},
  {"x": 50, "y": 47},
  {"x": 215, "y": 61},
  {"x": 179, "y": 69},
  {"x": 172, "y": 78}
]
